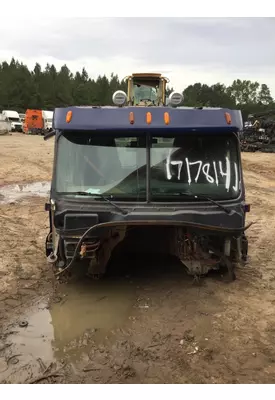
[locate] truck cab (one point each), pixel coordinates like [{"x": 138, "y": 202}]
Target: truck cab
[
  {"x": 142, "y": 178},
  {"x": 22, "y": 118},
  {"x": 14, "y": 119},
  {"x": 33, "y": 122},
  {"x": 5, "y": 125},
  {"x": 48, "y": 119}
]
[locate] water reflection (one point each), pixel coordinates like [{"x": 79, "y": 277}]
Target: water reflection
[{"x": 84, "y": 313}]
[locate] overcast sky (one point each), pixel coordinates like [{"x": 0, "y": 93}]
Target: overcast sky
[{"x": 186, "y": 50}]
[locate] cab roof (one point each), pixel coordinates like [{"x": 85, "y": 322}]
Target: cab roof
[
  {"x": 120, "y": 118},
  {"x": 146, "y": 75}
]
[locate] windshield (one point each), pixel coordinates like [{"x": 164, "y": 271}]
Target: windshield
[
  {"x": 116, "y": 165},
  {"x": 14, "y": 119},
  {"x": 144, "y": 92}
]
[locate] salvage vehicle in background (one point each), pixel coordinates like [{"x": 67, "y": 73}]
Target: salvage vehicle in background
[
  {"x": 14, "y": 119},
  {"x": 259, "y": 133},
  {"x": 38, "y": 122},
  {"x": 5, "y": 125}
]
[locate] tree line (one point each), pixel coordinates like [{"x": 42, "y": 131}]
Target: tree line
[{"x": 21, "y": 88}]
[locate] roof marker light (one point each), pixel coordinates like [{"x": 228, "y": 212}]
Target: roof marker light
[
  {"x": 228, "y": 118},
  {"x": 166, "y": 118},
  {"x": 131, "y": 117},
  {"x": 69, "y": 116},
  {"x": 148, "y": 118}
]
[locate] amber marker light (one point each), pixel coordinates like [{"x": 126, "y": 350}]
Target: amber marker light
[
  {"x": 131, "y": 117},
  {"x": 69, "y": 116},
  {"x": 228, "y": 118},
  {"x": 166, "y": 118},
  {"x": 148, "y": 118}
]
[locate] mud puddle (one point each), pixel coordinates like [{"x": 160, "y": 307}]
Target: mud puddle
[
  {"x": 15, "y": 192},
  {"x": 83, "y": 315}
]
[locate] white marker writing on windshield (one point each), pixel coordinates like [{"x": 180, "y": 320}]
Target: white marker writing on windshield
[
  {"x": 216, "y": 174},
  {"x": 205, "y": 170},
  {"x": 227, "y": 174},
  {"x": 168, "y": 162},
  {"x": 219, "y": 169},
  {"x": 235, "y": 187}
]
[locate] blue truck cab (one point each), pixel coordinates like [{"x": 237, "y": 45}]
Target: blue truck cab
[{"x": 165, "y": 179}]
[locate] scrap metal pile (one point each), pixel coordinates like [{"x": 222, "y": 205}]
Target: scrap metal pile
[{"x": 259, "y": 133}]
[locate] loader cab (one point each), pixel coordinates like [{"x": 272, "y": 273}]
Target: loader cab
[{"x": 145, "y": 89}]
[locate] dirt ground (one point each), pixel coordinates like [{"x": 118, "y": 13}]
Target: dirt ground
[{"x": 146, "y": 323}]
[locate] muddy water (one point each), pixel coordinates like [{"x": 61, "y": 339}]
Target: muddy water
[
  {"x": 36, "y": 339},
  {"x": 97, "y": 306},
  {"x": 13, "y": 193},
  {"x": 81, "y": 316}
]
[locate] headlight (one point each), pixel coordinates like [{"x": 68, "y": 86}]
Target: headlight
[
  {"x": 175, "y": 98},
  {"x": 119, "y": 98}
]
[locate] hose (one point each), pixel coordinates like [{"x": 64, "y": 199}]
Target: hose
[{"x": 146, "y": 222}]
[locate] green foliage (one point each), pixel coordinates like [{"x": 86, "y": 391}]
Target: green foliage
[
  {"x": 247, "y": 96},
  {"x": 21, "y": 88},
  {"x": 46, "y": 89}
]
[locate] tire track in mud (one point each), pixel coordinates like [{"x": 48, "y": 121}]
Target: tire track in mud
[
  {"x": 25, "y": 158},
  {"x": 23, "y": 228}
]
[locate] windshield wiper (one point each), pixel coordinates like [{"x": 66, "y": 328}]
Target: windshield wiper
[
  {"x": 195, "y": 196},
  {"x": 202, "y": 196},
  {"x": 101, "y": 196}
]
